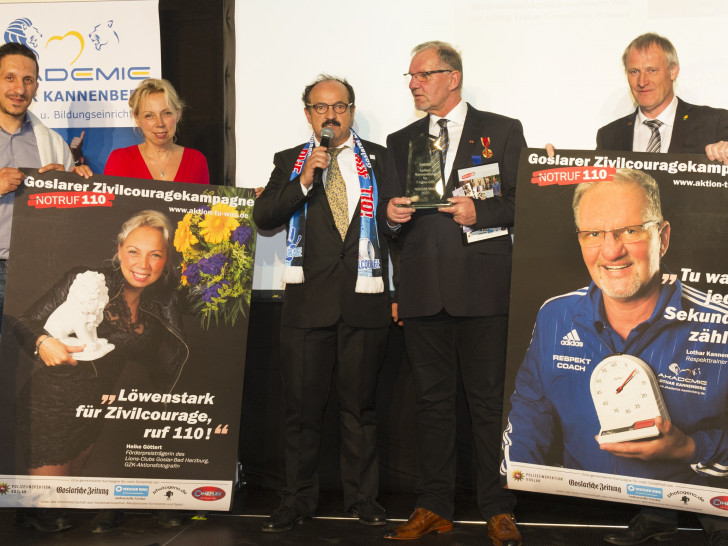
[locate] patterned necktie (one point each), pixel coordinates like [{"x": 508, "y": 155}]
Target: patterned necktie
[
  {"x": 442, "y": 144},
  {"x": 655, "y": 143},
  {"x": 444, "y": 139},
  {"x": 336, "y": 194}
]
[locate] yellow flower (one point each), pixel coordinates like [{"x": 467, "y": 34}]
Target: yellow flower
[
  {"x": 183, "y": 278},
  {"x": 183, "y": 237},
  {"x": 219, "y": 223}
]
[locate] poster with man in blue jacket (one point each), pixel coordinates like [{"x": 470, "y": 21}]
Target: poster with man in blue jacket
[{"x": 622, "y": 390}]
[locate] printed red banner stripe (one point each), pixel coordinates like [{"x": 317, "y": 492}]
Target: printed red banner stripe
[
  {"x": 563, "y": 176},
  {"x": 70, "y": 200}
]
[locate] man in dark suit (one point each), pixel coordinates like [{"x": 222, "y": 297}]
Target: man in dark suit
[
  {"x": 453, "y": 296},
  {"x": 336, "y": 310},
  {"x": 651, "y": 64},
  {"x": 663, "y": 123}
]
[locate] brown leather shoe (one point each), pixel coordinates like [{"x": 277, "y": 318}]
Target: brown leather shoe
[
  {"x": 420, "y": 523},
  {"x": 502, "y": 530}
]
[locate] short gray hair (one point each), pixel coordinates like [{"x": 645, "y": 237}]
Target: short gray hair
[
  {"x": 447, "y": 54},
  {"x": 643, "y": 42}
]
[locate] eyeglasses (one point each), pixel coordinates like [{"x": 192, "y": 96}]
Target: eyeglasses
[
  {"x": 627, "y": 234},
  {"x": 322, "y": 107},
  {"x": 423, "y": 76}
]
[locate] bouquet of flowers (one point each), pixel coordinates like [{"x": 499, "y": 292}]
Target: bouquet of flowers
[{"x": 218, "y": 248}]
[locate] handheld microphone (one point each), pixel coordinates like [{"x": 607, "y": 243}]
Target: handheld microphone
[{"x": 318, "y": 173}]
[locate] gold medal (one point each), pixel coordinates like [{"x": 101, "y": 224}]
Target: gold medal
[{"x": 487, "y": 152}]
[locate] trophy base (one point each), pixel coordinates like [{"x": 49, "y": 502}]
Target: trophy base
[
  {"x": 415, "y": 205},
  {"x": 640, "y": 430}
]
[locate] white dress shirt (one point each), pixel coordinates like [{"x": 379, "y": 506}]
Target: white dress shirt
[
  {"x": 642, "y": 132},
  {"x": 455, "y": 121},
  {"x": 347, "y": 166}
]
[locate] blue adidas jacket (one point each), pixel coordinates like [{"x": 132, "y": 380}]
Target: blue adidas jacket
[{"x": 552, "y": 405}]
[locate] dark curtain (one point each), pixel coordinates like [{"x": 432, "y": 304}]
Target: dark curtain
[{"x": 198, "y": 57}]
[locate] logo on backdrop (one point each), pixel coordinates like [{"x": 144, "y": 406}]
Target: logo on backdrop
[
  {"x": 23, "y": 31},
  {"x": 87, "y": 76},
  {"x": 104, "y": 34}
]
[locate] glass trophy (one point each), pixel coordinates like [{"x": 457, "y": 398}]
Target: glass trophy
[{"x": 425, "y": 174}]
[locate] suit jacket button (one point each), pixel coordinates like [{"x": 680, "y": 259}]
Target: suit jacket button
[{"x": 341, "y": 255}]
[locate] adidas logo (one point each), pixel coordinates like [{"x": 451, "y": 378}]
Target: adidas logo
[{"x": 572, "y": 339}]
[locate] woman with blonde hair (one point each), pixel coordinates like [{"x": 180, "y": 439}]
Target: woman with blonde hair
[{"x": 157, "y": 109}]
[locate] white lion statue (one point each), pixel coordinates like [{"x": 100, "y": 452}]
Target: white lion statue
[{"x": 81, "y": 314}]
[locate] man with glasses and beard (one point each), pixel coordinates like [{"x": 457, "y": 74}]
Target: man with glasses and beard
[{"x": 336, "y": 310}]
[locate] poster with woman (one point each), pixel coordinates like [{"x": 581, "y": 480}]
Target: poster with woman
[
  {"x": 618, "y": 339},
  {"x": 123, "y": 342}
]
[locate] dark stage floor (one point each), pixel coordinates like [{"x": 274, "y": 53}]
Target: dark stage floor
[{"x": 544, "y": 520}]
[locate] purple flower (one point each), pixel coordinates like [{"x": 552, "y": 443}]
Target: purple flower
[
  {"x": 242, "y": 235},
  {"x": 212, "y": 265},
  {"x": 213, "y": 291},
  {"x": 192, "y": 272}
]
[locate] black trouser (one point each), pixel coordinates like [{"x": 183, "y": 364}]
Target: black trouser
[
  {"x": 437, "y": 346},
  {"x": 309, "y": 357}
]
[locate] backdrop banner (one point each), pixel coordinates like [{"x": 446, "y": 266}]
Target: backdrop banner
[
  {"x": 151, "y": 419},
  {"x": 92, "y": 55},
  {"x": 617, "y": 376}
]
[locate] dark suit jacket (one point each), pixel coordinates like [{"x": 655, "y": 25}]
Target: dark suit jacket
[
  {"x": 437, "y": 269},
  {"x": 694, "y": 128},
  {"x": 330, "y": 265}
]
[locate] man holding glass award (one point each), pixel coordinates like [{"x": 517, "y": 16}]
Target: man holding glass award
[{"x": 453, "y": 288}]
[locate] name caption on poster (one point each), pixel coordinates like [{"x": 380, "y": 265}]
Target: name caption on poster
[{"x": 153, "y": 456}]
